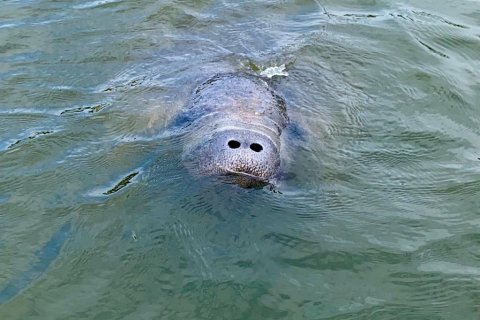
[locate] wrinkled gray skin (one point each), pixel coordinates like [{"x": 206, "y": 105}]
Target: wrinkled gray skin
[{"x": 234, "y": 122}]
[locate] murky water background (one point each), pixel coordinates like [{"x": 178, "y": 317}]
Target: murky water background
[{"x": 379, "y": 220}]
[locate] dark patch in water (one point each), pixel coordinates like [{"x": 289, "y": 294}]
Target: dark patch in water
[
  {"x": 92, "y": 109},
  {"x": 441, "y": 54},
  {"x": 33, "y": 136},
  {"x": 253, "y": 66},
  {"x": 359, "y": 15},
  {"x": 455, "y": 24},
  {"x": 121, "y": 87},
  {"x": 404, "y": 17},
  {"x": 427, "y": 14},
  {"x": 122, "y": 184},
  {"x": 45, "y": 256}
]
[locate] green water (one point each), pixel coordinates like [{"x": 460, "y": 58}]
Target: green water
[{"x": 380, "y": 217}]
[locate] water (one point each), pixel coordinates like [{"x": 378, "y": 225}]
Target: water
[{"x": 379, "y": 219}]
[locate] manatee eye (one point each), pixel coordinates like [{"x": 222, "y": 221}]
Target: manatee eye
[
  {"x": 234, "y": 144},
  {"x": 256, "y": 147}
]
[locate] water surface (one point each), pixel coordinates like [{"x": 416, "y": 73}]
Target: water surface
[{"x": 379, "y": 220}]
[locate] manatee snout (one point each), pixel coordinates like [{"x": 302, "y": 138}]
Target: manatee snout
[
  {"x": 239, "y": 152},
  {"x": 234, "y": 122}
]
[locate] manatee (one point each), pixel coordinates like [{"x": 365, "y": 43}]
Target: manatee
[
  {"x": 234, "y": 122},
  {"x": 44, "y": 258}
]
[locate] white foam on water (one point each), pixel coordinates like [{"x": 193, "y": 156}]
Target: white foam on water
[
  {"x": 94, "y": 4},
  {"x": 270, "y": 72}
]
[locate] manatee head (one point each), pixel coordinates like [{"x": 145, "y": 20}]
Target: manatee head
[
  {"x": 249, "y": 157},
  {"x": 234, "y": 122}
]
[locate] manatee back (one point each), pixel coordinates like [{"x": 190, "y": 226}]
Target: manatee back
[{"x": 235, "y": 97}]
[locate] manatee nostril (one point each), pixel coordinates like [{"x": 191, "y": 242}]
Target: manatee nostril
[
  {"x": 234, "y": 144},
  {"x": 256, "y": 147}
]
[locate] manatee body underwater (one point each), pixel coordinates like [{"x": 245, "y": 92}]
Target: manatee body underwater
[
  {"x": 233, "y": 123},
  {"x": 44, "y": 258}
]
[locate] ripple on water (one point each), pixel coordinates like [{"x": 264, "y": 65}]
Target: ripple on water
[
  {"x": 25, "y": 125},
  {"x": 124, "y": 182},
  {"x": 379, "y": 221},
  {"x": 94, "y": 4},
  {"x": 457, "y": 287},
  {"x": 444, "y": 39},
  {"x": 85, "y": 109}
]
